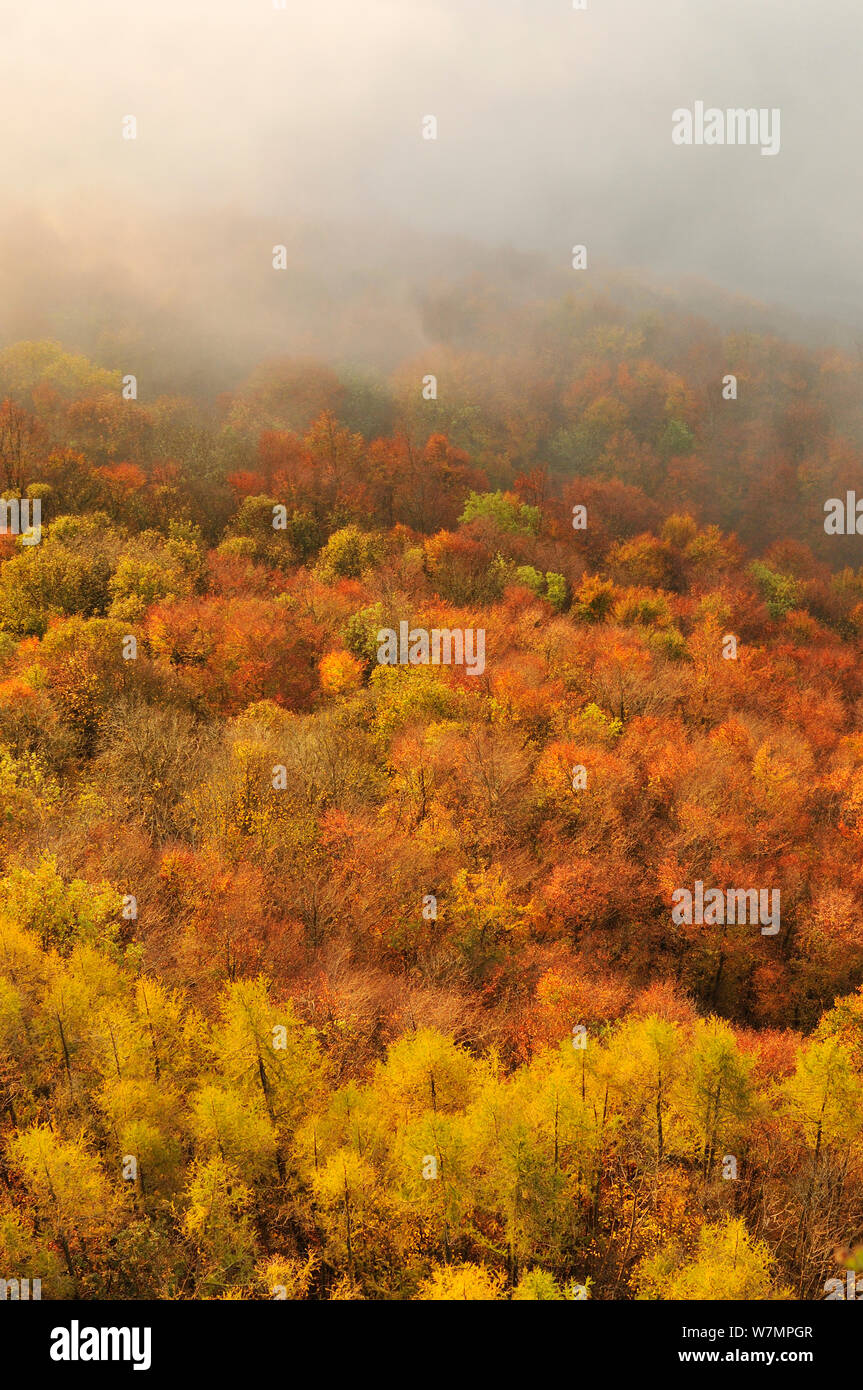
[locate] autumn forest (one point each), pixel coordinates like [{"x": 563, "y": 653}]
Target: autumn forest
[{"x": 326, "y": 976}]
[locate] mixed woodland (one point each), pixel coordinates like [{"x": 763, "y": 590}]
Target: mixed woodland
[{"x": 241, "y": 1056}]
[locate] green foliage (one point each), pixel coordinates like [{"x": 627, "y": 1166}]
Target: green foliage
[
  {"x": 556, "y": 590},
  {"x": 403, "y": 695},
  {"x": 550, "y": 586},
  {"x": 677, "y": 438},
  {"x": 49, "y": 580},
  {"x": 360, "y": 633},
  {"x": 152, "y": 570},
  {"x": 530, "y": 578},
  {"x": 62, "y": 913},
  {"x": 779, "y": 591},
  {"x": 504, "y": 510},
  {"x": 348, "y": 553}
]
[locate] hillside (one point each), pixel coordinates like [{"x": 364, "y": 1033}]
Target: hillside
[{"x": 331, "y": 968}]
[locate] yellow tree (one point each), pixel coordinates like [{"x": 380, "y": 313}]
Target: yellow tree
[
  {"x": 68, "y": 1188},
  {"x": 727, "y": 1264}
]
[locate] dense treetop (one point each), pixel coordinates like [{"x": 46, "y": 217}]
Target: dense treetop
[{"x": 228, "y": 975}]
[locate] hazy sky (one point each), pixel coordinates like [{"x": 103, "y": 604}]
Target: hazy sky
[{"x": 554, "y": 126}]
